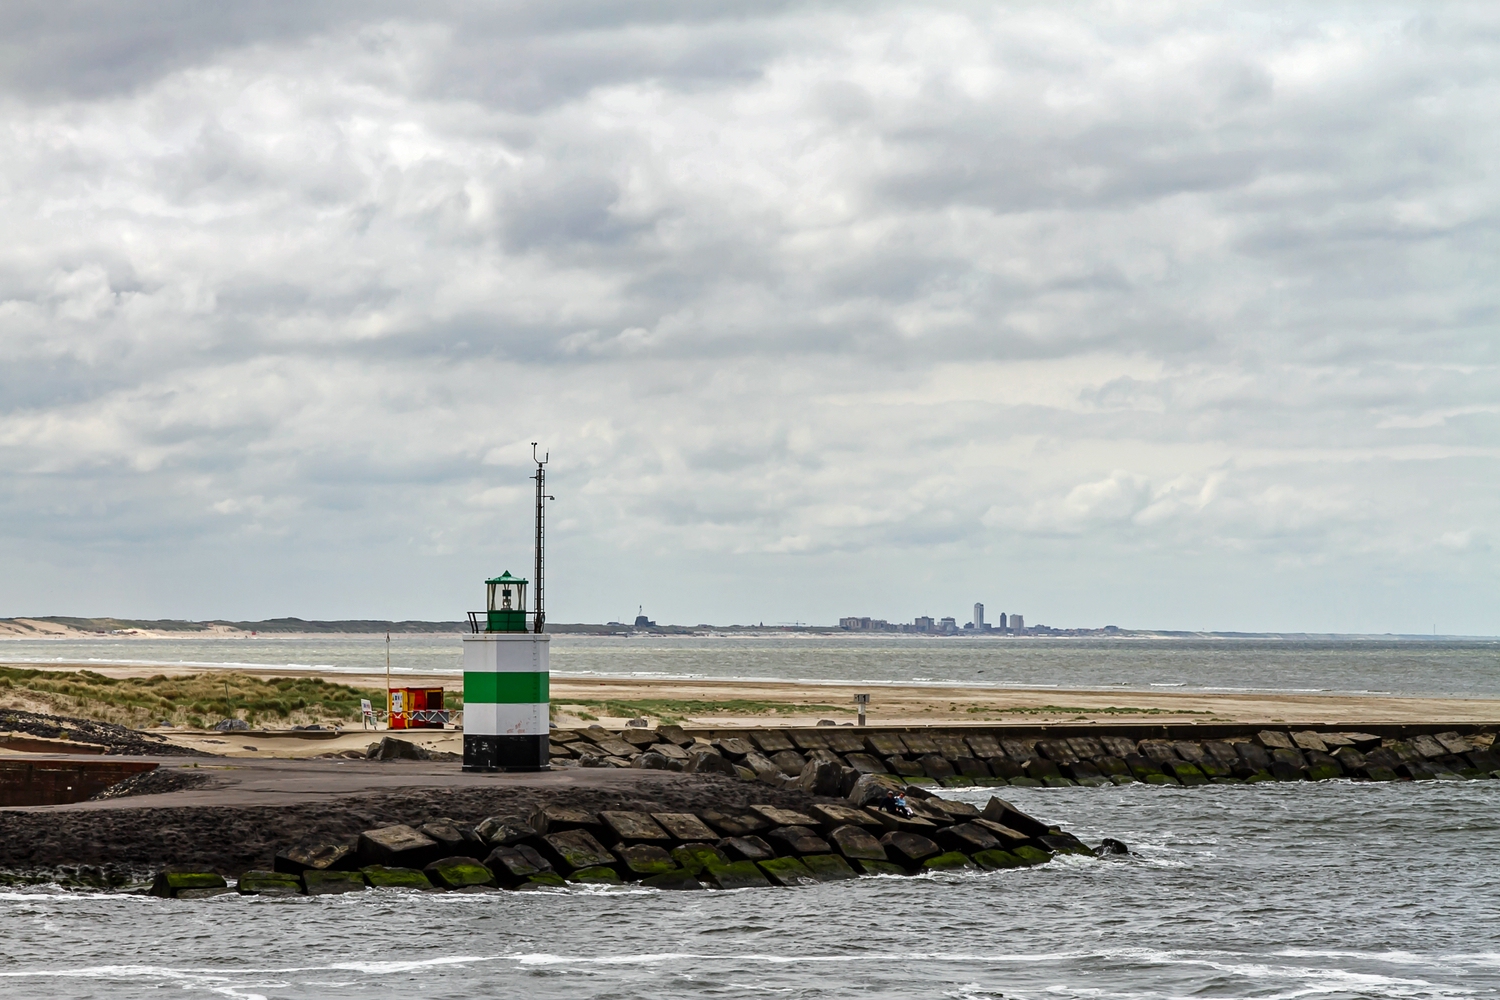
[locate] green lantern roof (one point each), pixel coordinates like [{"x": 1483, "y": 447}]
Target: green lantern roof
[{"x": 506, "y": 578}]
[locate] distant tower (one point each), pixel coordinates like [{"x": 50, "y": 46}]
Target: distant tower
[
  {"x": 1018, "y": 624},
  {"x": 1002, "y": 625},
  {"x": 979, "y": 617}
]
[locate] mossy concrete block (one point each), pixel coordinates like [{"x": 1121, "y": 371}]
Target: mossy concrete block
[
  {"x": 577, "y": 849},
  {"x": 777, "y": 816},
  {"x": 1324, "y": 772},
  {"x": 1031, "y": 855},
  {"x": 672, "y": 881},
  {"x": 736, "y": 875},
  {"x": 381, "y": 877},
  {"x": 1258, "y": 777},
  {"x": 746, "y": 849},
  {"x": 203, "y": 893},
  {"x": 1024, "y": 782},
  {"x": 1226, "y": 781},
  {"x": 797, "y": 840},
  {"x": 296, "y": 860},
  {"x": 321, "y": 883},
  {"x": 952, "y": 861},
  {"x": 1057, "y": 781},
  {"x": 1187, "y": 774},
  {"x": 908, "y": 848},
  {"x": 867, "y": 867},
  {"x": 998, "y": 860},
  {"x": 788, "y": 872},
  {"x": 921, "y": 782},
  {"x": 516, "y": 864},
  {"x": 966, "y": 838},
  {"x": 693, "y": 858},
  {"x": 956, "y": 781},
  {"x": 646, "y": 859},
  {"x": 1122, "y": 779},
  {"x": 634, "y": 827},
  {"x": 546, "y": 880},
  {"x": 459, "y": 873},
  {"x": 1066, "y": 843},
  {"x": 1159, "y": 779},
  {"x": 990, "y": 782},
  {"x": 1099, "y": 781},
  {"x": 594, "y": 876},
  {"x": 685, "y": 826},
  {"x": 832, "y": 815},
  {"x": 829, "y": 867},
  {"x": 170, "y": 884},
  {"x": 1377, "y": 773},
  {"x": 269, "y": 884}
]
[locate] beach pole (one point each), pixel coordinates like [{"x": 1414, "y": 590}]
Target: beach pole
[{"x": 387, "y": 681}]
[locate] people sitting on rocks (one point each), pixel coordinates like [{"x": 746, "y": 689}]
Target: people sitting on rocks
[{"x": 895, "y": 802}]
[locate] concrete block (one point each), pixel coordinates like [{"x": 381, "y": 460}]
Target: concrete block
[
  {"x": 903, "y": 767},
  {"x": 1190, "y": 751},
  {"x": 972, "y": 768},
  {"x": 747, "y": 848},
  {"x": 956, "y": 781},
  {"x": 951, "y": 861},
  {"x": 684, "y": 826},
  {"x": 770, "y": 741},
  {"x": 737, "y": 875},
  {"x": 570, "y": 850},
  {"x": 951, "y": 746},
  {"x": 1159, "y": 752},
  {"x": 504, "y": 830},
  {"x": 857, "y": 843},
  {"x": 1308, "y": 740},
  {"x": 830, "y": 815},
  {"x": 777, "y": 816},
  {"x": 997, "y": 860},
  {"x": 1141, "y": 767},
  {"x": 645, "y": 859},
  {"x": 704, "y": 762},
  {"x": 513, "y": 865},
  {"x": 1057, "y": 751},
  {"x": 908, "y": 849},
  {"x": 797, "y": 840},
  {"x": 599, "y": 875},
  {"x": 543, "y": 882},
  {"x": 1065, "y": 843},
  {"x": 325, "y": 883},
  {"x": 457, "y": 872},
  {"x": 1019, "y": 751},
  {"x": 998, "y": 810},
  {"x": 1273, "y": 740},
  {"x": 395, "y": 846},
  {"x": 920, "y": 744},
  {"x": 735, "y": 824},
  {"x": 984, "y": 746},
  {"x": 1086, "y": 747},
  {"x": 259, "y": 883},
  {"x": 790, "y": 761},
  {"x": 787, "y": 872},
  {"x": 966, "y": 838},
  {"x": 634, "y": 827},
  {"x": 381, "y": 877},
  {"x": 885, "y": 745},
  {"x": 675, "y": 735},
  {"x": 323, "y": 857},
  {"x": 878, "y": 868},
  {"x": 1024, "y": 782},
  {"x": 1004, "y": 767},
  {"x": 554, "y": 819},
  {"x": 672, "y": 881},
  {"x": 829, "y": 867},
  {"x": 865, "y": 764},
  {"x": 1118, "y": 746},
  {"x": 822, "y": 777},
  {"x": 1453, "y": 742},
  {"x": 696, "y": 857}
]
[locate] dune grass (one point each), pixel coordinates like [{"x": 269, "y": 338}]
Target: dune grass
[
  {"x": 194, "y": 700},
  {"x": 675, "y": 710}
]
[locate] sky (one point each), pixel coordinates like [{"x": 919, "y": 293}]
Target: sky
[{"x": 1151, "y": 314}]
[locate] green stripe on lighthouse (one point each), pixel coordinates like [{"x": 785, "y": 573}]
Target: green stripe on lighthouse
[{"x": 505, "y": 688}]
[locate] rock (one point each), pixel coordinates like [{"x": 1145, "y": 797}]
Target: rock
[
  {"x": 672, "y": 881},
  {"x": 1041, "y": 769},
  {"x": 1190, "y": 751},
  {"x": 1350, "y": 759},
  {"x": 907, "y": 848},
  {"x": 829, "y": 867},
  {"x": 848, "y": 776},
  {"x": 296, "y": 860},
  {"x": 1309, "y": 741},
  {"x": 168, "y": 884},
  {"x": 748, "y": 848},
  {"x": 966, "y": 838},
  {"x": 736, "y": 875},
  {"x": 1322, "y": 766},
  {"x": 395, "y": 846},
  {"x": 1118, "y": 746},
  {"x": 459, "y": 872},
  {"x": 998, "y": 810},
  {"x": 996, "y": 860},
  {"x": 555, "y": 819},
  {"x": 675, "y": 735},
  {"x": 704, "y": 762},
  {"x": 570, "y": 850},
  {"x": 735, "y": 824},
  {"x": 905, "y": 768},
  {"x": 541, "y": 883},
  {"x": 332, "y": 883},
  {"x": 203, "y": 893},
  {"x": 835, "y": 814},
  {"x": 269, "y": 884},
  {"x": 634, "y": 827},
  {"x": 735, "y": 748},
  {"x": 1141, "y": 767},
  {"x": 787, "y": 872},
  {"x": 1187, "y": 774},
  {"x": 1109, "y": 845},
  {"x": 1065, "y": 843},
  {"x": 696, "y": 857},
  {"x": 1029, "y": 855},
  {"x": 391, "y": 748},
  {"x": 1272, "y": 740},
  {"x": 797, "y": 840},
  {"x": 684, "y": 826},
  {"x": 1292, "y": 757},
  {"x": 857, "y": 843},
  {"x": 1283, "y": 771},
  {"x": 770, "y": 742},
  {"x": 455, "y": 840},
  {"x": 1427, "y": 746},
  {"x": 1008, "y": 836},
  {"x": 872, "y": 788},
  {"x": 952, "y": 861},
  {"x": 1256, "y": 756},
  {"x": 513, "y": 865},
  {"x": 651, "y": 762},
  {"x": 1377, "y": 772},
  {"x": 790, "y": 761},
  {"x": 231, "y": 725},
  {"x": 598, "y": 875},
  {"x": 646, "y": 859},
  {"x": 821, "y": 777},
  {"x": 381, "y": 877},
  {"x": 504, "y": 830},
  {"x": 784, "y": 817}
]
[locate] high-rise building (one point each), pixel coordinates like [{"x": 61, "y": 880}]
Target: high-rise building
[
  {"x": 979, "y": 617},
  {"x": 1002, "y": 626},
  {"x": 1017, "y": 625},
  {"x": 923, "y": 624}
]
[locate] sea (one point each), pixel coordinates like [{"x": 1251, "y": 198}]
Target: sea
[{"x": 1335, "y": 889}]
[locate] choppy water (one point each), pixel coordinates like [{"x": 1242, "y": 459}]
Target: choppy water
[
  {"x": 1416, "y": 667},
  {"x": 1335, "y": 890}
]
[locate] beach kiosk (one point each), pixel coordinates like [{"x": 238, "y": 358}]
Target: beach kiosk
[{"x": 505, "y": 683}]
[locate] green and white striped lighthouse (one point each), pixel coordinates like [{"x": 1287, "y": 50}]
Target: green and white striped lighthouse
[{"x": 506, "y": 697}]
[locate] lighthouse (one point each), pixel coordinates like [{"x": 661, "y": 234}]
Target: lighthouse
[{"x": 506, "y": 697}]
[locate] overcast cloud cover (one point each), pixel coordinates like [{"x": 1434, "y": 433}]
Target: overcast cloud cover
[{"x": 1149, "y": 314}]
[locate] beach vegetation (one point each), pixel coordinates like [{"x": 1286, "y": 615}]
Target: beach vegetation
[{"x": 671, "y": 710}]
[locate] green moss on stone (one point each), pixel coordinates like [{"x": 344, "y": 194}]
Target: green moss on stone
[
  {"x": 597, "y": 875},
  {"x": 381, "y": 877},
  {"x": 828, "y": 867},
  {"x": 879, "y": 868},
  {"x": 736, "y": 875},
  {"x": 1024, "y": 782},
  {"x": 952, "y": 861},
  {"x": 1031, "y": 855},
  {"x": 168, "y": 884},
  {"x": 1160, "y": 779},
  {"x": 325, "y": 883},
  {"x": 956, "y": 781},
  {"x": 269, "y": 884},
  {"x": 787, "y": 871},
  {"x": 996, "y": 860}
]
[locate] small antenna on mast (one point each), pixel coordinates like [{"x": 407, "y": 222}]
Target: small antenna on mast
[{"x": 540, "y": 617}]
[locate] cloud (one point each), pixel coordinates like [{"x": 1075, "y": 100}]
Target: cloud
[{"x": 999, "y": 300}]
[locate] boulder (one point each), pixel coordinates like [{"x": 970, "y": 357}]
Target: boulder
[
  {"x": 675, "y": 735},
  {"x": 787, "y": 872},
  {"x": 736, "y": 875},
  {"x": 696, "y": 857},
  {"x": 703, "y": 762},
  {"x": 396, "y": 846},
  {"x": 1254, "y": 755},
  {"x": 1187, "y": 774},
  {"x": 835, "y": 814},
  {"x": 634, "y": 827},
  {"x": 672, "y": 881},
  {"x": 821, "y": 777},
  {"x": 904, "y": 768},
  {"x": 684, "y": 826},
  {"x": 789, "y": 761},
  {"x": 573, "y": 849},
  {"x": 390, "y": 748},
  {"x": 971, "y": 767},
  {"x": 784, "y": 817},
  {"x": 951, "y": 861},
  {"x": 652, "y": 762},
  {"x": 996, "y": 860},
  {"x": 907, "y": 848},
  {"x": 323, "y": 857},
  {"x": 1273, "y": 740},
  {"x": 797, "y": 840},
  {"x": 1309, "y": 741},
  {"x": 324, "y": 883},
  {"x": 856, "y": 842},
  {"x": 269, "y": 884},
  {"x": 646, "y": 859},
  {"x": 1086, "y": 747},
  {"x": 829, "y": 867},
  {"x": 1118, "y": 746},
  {"x": 513, "y": 865},
  {"x": 770, "y": 742},
  {"x": 998, "y": 810},
  {"x": 453, "y": 839},
  {"x": 748, "y": 848},
  {"x": 920, "y": 744},
  {"x": 737, "y": 824},
  {"x": 966, "y": 838},
  {"x": 498, "y": 831},
  {"x": 1064, "y": 843},
  {"x": 458, "y": 872},
  {"x": 381, "y": 877},
  {"x": 885, "y": 745}
]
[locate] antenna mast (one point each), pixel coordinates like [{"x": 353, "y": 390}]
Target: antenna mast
[{"x": 540, "y": 617}]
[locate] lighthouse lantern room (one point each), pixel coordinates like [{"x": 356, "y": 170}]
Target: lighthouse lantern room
[{"x": 506, "y": 604}]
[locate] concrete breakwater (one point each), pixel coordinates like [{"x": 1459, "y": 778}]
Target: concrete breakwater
[
  {"x": 761, "y": 846},
  {"x": 829, "y": 760}
]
